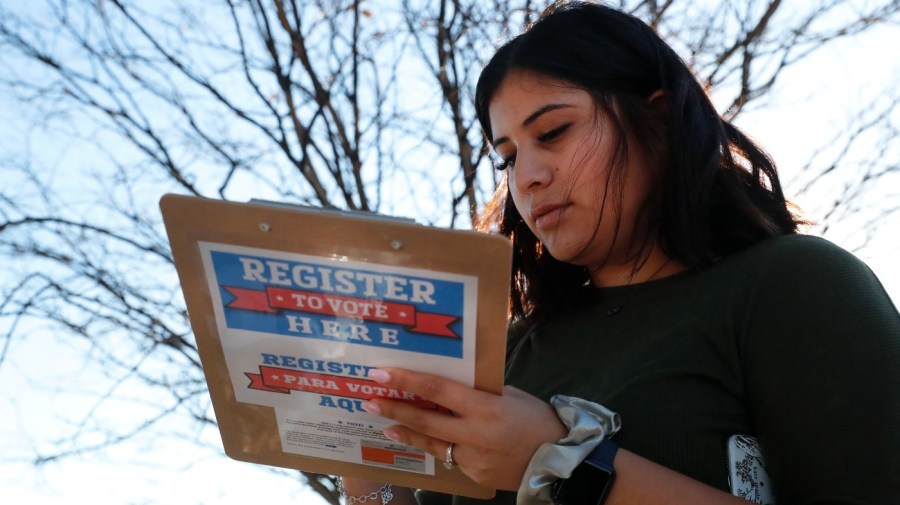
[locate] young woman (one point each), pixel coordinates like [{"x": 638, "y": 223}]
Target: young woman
[{"x": 658, "y": 275}]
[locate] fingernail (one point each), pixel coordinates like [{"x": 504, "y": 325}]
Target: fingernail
[
  {"x": 371, "y": 408},
  {"x": 379, "y": 375},
  {"x": 392, "y": 434}
]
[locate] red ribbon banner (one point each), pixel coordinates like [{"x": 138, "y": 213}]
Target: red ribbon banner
[
  {"x": 273, "y": 299},
  {"x": 283, "y": 380}
]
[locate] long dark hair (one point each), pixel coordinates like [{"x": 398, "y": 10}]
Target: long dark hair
[{"x": 715, "y": 191}]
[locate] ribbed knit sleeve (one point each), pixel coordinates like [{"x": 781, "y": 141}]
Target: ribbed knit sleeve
[{"x": 821, "y": 358}]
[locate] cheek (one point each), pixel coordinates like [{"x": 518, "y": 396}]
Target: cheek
[
  {"x": 522, "y": 203},
  {"x": 518, "y": 199},
  {"x": 639, "y": 186}
]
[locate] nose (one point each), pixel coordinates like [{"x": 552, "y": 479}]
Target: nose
[{"x": 531, "y": 172}]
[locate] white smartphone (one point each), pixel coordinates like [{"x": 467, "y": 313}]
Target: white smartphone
[{"x": 747, "y": 473}]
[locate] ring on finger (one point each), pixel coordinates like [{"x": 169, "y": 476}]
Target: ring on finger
[{"x": 448, "y": 457}]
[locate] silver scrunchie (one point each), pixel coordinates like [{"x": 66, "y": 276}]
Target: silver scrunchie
[{"x": 588, "y": 424}]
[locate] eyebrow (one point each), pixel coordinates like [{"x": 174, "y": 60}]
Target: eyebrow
[{"x": 533, "y": 117}]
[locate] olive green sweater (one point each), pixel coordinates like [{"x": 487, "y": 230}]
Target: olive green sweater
[{"x": 793, "y": 341}]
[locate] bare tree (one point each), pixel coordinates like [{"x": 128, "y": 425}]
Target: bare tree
[{"x": 353, "y": 104}]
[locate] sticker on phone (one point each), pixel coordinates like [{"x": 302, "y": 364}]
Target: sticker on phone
[{"x": 747, "y": 473}]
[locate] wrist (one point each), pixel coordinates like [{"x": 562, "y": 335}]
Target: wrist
[
  {"x": 362, "y": 491},
  {"x": 590, "y": 481},
  {"x": 588, "y": 424}
]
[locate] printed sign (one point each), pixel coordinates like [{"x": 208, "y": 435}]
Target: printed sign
[
  {"x": 300, "y": 334},
  {"x": 350, "y": 441},
  {"x": 333, "y": 301}
]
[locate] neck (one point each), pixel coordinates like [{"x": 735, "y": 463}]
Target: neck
[{"x": 657, "y": 265}]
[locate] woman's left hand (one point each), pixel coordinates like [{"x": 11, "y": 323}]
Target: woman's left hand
[{"x": 495, "y": 436}]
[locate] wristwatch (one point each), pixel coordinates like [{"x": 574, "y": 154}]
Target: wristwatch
[{"x": 591, "y": 480}]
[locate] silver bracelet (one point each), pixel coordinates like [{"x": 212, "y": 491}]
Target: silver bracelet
[
  {"x": 384, "y": 492},
  {"x": 588, "y": 424}
]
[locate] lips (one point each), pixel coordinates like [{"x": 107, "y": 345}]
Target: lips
[{"x": 544, "y": 215}]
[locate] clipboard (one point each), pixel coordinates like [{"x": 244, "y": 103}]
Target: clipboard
[{"x": 291, "y": 306}]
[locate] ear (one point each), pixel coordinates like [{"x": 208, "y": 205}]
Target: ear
[{"x": 658, "y": 100}]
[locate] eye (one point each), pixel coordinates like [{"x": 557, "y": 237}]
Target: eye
[
  {"x": 553, "y": 134},
  {"x": 500, "y": 163}
]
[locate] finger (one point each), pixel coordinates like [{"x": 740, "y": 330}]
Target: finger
[
  {"x": 461, "y": 456},
  {"x": 432, "y": 423},
  {"x": 472, "y": 462},
  {"x": 434, "y": 446},
  {"x": 452, "y": 395}
]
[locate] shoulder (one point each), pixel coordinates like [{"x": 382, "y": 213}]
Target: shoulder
[
  {"x": 515, "y": 332},
  {"x": 518, "y": 327},
  {"x": 798, "y": 271},
  {"x": 799, "y": 249},
  {"x": 786, "y": 266},
  {"x": 800, "y": 262},
  {"x": 808, "y": 293},
  {"x": 801, "y": 295}
]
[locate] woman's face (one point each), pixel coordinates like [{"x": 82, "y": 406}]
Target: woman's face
[{"x": 559, "y": 147}]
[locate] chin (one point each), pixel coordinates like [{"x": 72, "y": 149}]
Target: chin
[
  {"x": 564, "y": 254},
  {"x": 581, "y": 255}
]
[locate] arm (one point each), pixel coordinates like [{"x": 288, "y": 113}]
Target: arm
[
  {"x": 828, "y": 418},
  {"x": 496, "y": 436}
]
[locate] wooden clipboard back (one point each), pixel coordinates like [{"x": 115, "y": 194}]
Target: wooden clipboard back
[{"x": 249, "y": 431}]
